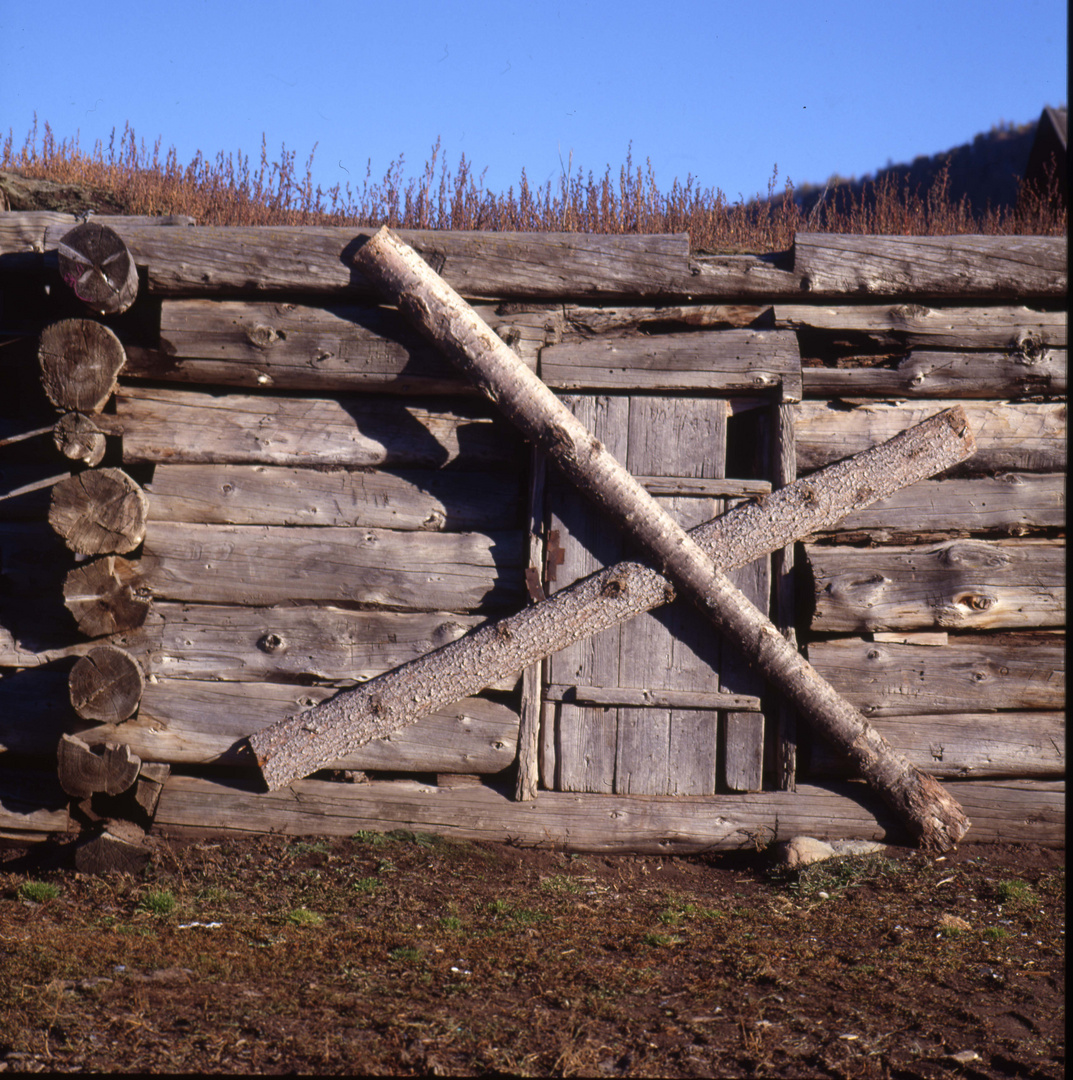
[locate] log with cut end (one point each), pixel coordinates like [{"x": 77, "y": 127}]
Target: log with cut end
[
  {"x": 85, "y": 770},
  {"x": 109, "y": 853},
  {"x": 80, "y": 360},
  {"x": 99, "y": 512},
  {"x": 98, "y": 268},
  {"x": 102, "y": 596},
  {"x": 404, "y": 279},
  {"x": 77, "y": 437},
  {"x": 106, "y": 685}
]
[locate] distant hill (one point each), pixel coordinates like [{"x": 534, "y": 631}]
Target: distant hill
[{"x": 986, "y": 171}]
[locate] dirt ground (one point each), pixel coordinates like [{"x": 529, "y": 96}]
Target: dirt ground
[{"x": 407, "y": 954}]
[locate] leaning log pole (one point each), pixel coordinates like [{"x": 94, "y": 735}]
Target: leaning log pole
[{"x": 404, "y": 279}]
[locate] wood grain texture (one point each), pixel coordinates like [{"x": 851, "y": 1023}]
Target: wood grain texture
[
  {"x": 1011, "y": 503},
  {"x": 80, "y": 360},
  {"x": 264, "y": 564},
  {"x": 1021, "y": 438},
  {"x": 969, "y": 746},
  {"x": 963, "y": 267},
  {"x": 723, "y": 361},
  {"x": 961, "y": 584},
  {"x": 1018, "y": 672},
  {"x": 931, "y": 374},
  {"x": 1011, "y": 328},
  {"x": 427, "y": 499},
  {"x": 99, "y": 512},
  {"x": 1022, "y": 811},
  {"x": 181, "y": 426}
]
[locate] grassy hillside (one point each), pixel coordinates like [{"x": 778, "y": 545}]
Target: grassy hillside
[{"x": 126, "y": 176}]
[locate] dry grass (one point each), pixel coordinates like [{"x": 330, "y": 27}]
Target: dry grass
[{"x": 228, "y": 191}]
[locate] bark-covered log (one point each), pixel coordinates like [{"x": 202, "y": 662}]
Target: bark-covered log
[
  {"x": 80, "y": 360},
  {"x": 496, "y": 651},
  {"x": 84, "y": 770},
  {"x": 103, "y": 596},
  {"x": 99, "y": 512},
  {"x": 106, "y": 685},
  {"x": 96, "y": 265},
  {"x": 403, "y": 278},
  {"x": 77, "y": 437}
]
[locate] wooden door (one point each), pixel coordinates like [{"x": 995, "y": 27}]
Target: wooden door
[{"x": 639, "y": 747}]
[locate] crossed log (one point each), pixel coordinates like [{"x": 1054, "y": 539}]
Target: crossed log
[{"x": 301, "y": 744}]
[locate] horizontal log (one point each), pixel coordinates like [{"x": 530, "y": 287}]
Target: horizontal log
[
  {"x": 98, "y": 268},
  {"x": 24, "y": 231},
  {"x": 1024, "y": 811},
  {"x": 965, "y": 267},
  {"x": 287, "y": 346},
  {"x": 627, "y": 697},
  {"x": 1020, "y": 672},
  {"x": 199, "y": 722},
  {"x": 99, "y": 511},
  {"x": 967, "y": 746},
  {"x": 268, "y": 564},
  {"x": 587, "y": 322},
  {"x": 297, "y": 644},
  {"x": 947, "y": 374},
  {"x": 1017, "y": 329},
  {"x": 1024, "y": 437},
  {"x": 722, "y": 361},
  {"x": 80, "y": 360},
  {"x": 962, "y": 584},
  {"x": 1012, "y": 503},
  {"x": 425, "y": 499},
  {"x": 187, "y": 427},
  {"x": 227, "y": 260}
]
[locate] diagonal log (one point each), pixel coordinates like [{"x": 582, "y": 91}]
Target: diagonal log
[
  {"x": 403, "y": 278},
  {"x": 497, "y": 650}
]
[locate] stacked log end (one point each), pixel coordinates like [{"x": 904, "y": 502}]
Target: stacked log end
[{"x": 97, "y": 267}]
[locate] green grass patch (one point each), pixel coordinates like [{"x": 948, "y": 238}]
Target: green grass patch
[
  {"x": 159, "y": 902},
  {"x": 38, "y": 891},
  {"x": 304, "y": 917}
]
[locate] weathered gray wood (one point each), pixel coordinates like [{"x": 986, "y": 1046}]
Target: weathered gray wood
[
  {"x": 80, "y": 360},
  {"x": 106, "y": 685},
  {"x": 269, "y": 564},
  {"x": 699, "y": 486},
  {"x": 24, "y": 231},
  {"x": 98, "y": 268},
  {"x": 83, "y": 771},
  {"x": 1023, "y": 437},
  {"x": 98, "y": 512},
  {"x": 743, "y": 764},
  {"x": 964, "y": 267},
  {"x": 1017, "y": 329},
  {"x": 77, "y": 437},
  {"x": 402, "y": 277},
  {"x": 733, "y": 278},
  {"x": 228, "y": 260},
  {"x": 962, "y": 584},
  {"x": 645, "y": 697},
  {"x": 947, "y": 374},
  {"x": 1024, "y": 672},
  {"x": 784, "y": 588},
  {"x": 503, "y": 648},
  {"x": 970, "y": 746},
  {"x": 1022, "y": 811},
  {"x": 528, "y": 776},
  {"x": 721, "y": 361},
  {"x": 587, "y": 322},
  {"x": 106, "y": 596},
  {"x": 286, "y": 346},
  {"x": 187, "y": 722},
  {"x": 427, "y": 499},
  {"x": 1007, "y": 503},
  {"x": 186, "y": 427}
]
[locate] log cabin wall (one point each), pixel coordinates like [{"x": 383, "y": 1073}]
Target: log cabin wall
[{"x": 231, "y": 485}]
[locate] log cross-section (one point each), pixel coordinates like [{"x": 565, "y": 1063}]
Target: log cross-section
[
  {"x": 98, "y": 268},
  {"x": 405, "y": 280}
]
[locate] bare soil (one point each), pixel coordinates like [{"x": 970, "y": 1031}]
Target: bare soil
[{"x": 407, "y": 954}]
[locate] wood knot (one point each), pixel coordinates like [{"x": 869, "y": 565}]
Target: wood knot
[{"x": 271, "y": 643}]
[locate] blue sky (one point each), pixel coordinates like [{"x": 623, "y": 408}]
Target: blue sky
[{"x": 723, "y": 90}]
